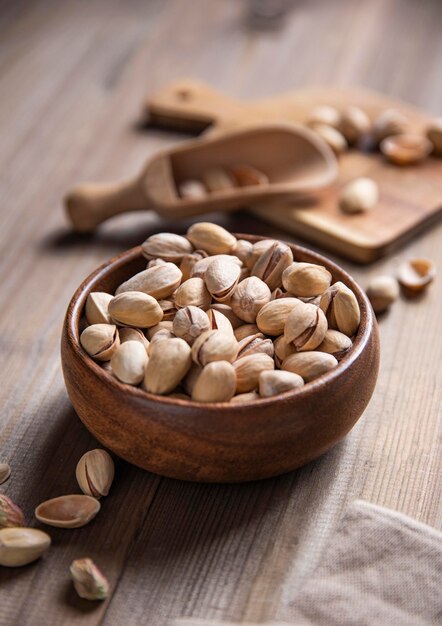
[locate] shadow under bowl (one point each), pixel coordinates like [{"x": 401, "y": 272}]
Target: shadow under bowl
[{"x": 218, "y": 442}]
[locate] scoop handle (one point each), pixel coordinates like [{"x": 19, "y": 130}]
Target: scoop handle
[{"x": 90, "y": 204}]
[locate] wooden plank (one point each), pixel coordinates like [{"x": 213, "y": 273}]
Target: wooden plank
[{"x": 72, "y": 81}]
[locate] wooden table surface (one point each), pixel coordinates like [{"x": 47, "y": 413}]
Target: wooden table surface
[{"x": 73, "y": 76}]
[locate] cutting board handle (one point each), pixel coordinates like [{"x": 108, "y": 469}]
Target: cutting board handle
[
  {"x": 190, "y": 104},
  {"x": 90, "y": 204}
]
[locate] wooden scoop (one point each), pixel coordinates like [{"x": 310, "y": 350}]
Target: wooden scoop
[{"x": 294, "y": 159}]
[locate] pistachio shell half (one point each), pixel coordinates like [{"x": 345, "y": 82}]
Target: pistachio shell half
[{"x": 71, "y": 511}]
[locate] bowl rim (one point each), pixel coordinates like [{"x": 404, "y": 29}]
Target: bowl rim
[{"x": 76, "y": 307}]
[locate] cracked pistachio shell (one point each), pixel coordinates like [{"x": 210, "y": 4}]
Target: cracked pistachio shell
[
  {"x": 258, "y": 250},
  {"x": 193, "y": 293},
  {"x": 129, "y": 362},
  {"x": 271, "y": 264},
  {"x": 306, "y": 279},
  {"x": 248, "y": 298},
  {"x": 166, "y": 246},
  {"x": 135, "y": 308},
  {"x": 169, "y": 362},
  {"x": 5, "y": 472},
  {"x": 96, "y": 309},
  {"x": 20, "y": 546},
  {"x": 218, "y": 321},
  {"x": 95, "y": 473},
  {"x": 272, "y": 317},
  {"x": 248, "y": 370},
  {"x": 188, "y": 263},
  {"x": 382, "y": 291},
  {"x": 254, "y": 344},
  {"x": 309, "y": 365},
  {"x": 215, "y": 383},
  {"x": 335, "y": 343},
  {"x": 100, "y": 341},
  {"x": 246, "y": 330},
  {"x": 89, "y": 582},
  {"x": 190, "y": 322},
  {"x": 11, "y": 515},
  {"x": 169, "y": 309},
  {"x": 159, "y": 281},
  {"x": 227, "y": 311},
  {"x": 282, "y": 350},
  {"x": 305, "y": 327},
  {"x": 341, "y": 309},
  {"x": 214, "y": 345},
  {"x": 71, "y": 511},
  {"x": 416, "y": 274},
  {"x": 221, "y": 278},
  {"x": 133, "y": 334},
  {"x": 210, "y": 237},
  {"x": 272, "y": 383}
]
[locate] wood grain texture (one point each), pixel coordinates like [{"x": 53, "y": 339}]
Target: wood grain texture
[{"x": 72, "y": 79}]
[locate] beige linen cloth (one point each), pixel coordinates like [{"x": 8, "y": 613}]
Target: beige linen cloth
[{"x": 381, "y": 568}]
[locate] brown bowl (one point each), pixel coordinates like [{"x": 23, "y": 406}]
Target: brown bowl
[{"x": 218, "y": 442}]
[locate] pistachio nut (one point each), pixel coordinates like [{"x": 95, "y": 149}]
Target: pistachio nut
[
  {"x": 96, "y": 308},
  {"x": 271, "y": 264},
  {"x": 5, "y": 472},
  {"x": 151, "y": 332},
  {"x": 190, "y": 322},
  {"x": 242, "y": 249},
  {"x": 244, "y": 398},
  {"x": 133, "y": 334},
  {"x": 218, "y": 179},
  {"x": 282, "y": 350},
  {"x": 214, "y": 345},
  {"x": 246, "y": 330},
  {"x": 188, "y": 263},
  {"x": 89, "y": 582},
  {"x": 71, "y": 511},
  {"x": 335, "y": 343},
  {"x": 332, "y": 137},
  {"x": 192, "y": 190},
  {"x": 354, "y": 124},
  {"x": 257, "y": 251},
  {"x": 382, "y": 291},
  {"x": 221, "y": 279},
  {"x": 11, "y": 515},
  {"x": 218, "y": 321},
  {"x": 100, "y": 341},
  {"x": 406, "y": 149},
  {"x": 161, "y": 335},
  {"x": 254, "y": 344},
  {"x": 305, "y": 327},
  {"x": 248, "y": 298},
  {"x": 389, "y": 122},
  {"x": 169, "y": 309},
  {"x": 20, "y": 546},
  {"x": 306, "y": 280},
  {"x": 248, "y": 370},
  {"x": 341, "y": 309},
  {"x": 210, "y": 237},
  {"x": 272, "y": 317},
  {"x": 135, "y": 308},
  {"x": 154, "y": 262},
  {"x": 169, "y": 362},
  {"x": 324, "y": 114},
  {"x": 434, "y": 134},
  {"x": 159, "y": 281},
  {"x": 248, "y": 176},
  {"x": 193, "y": 292},
  {"x": 95, "y": 472},
  {"x": 166, "y": 246},
  {"x": 227, "y": 311},
  {"x": 200, "y": 268},
  {"x": 129, "y": 362},
  {"x": 415, "y": 275},
  {"x": 216, "y": 383},
  {"x": 189, "y": 380},
  {"x": 272, "y": 383},
  {"x": 309, "y": 365}
]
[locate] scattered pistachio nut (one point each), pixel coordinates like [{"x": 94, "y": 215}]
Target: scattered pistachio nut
[
  {"x": 135, "y": 308},
  {"x": 159, "y": 281},
  {"x": 434, "y": 134},
  {"x": 389, "y": 122},
  {"x": 166, "y": 246},
  {"x": 257, "y": 251},
  {"x": 272, "y": 263},
  {"x": 341, "y": 308},
  {"x": 354, "y": 124},
  {"x": 5, "y": 472},
  {"x": 89, "y": 582},
  {"x": 193, "y": 292},
  {"x": 95, "y": 473},
  {"x": 210, "y": 237},
  {"x": 168, "y": 363},
  {"x": 11, "y": 515},
  {"x": 20, "y": 546},
  {"x": 200, "y": 268},
  {"x": 216, "y": 383},
  {"x": 272, "y": 383},
  {"x": 359, "y": 195},
  {"x": 406, "y": 149},
  {"x": 382, "y": 291},
  {"x": 335, "y": 343},
  {"x": 100, "y": 341},
  {"x": 415, "y": 275},
  {"x": 129, "y": 362},
  {"x": 214, "y": 345},
  {"x": 309, "y": 365},
  {"x": 272, "y": 317},
  {"x": 70, "y": 511},
  {"x": 324, "y": 114},
  {"x": 305, "y": 327},
  {"x": 96, "y": 309},
  {"x": 190, "y": 322},
  {"x": 248, "y": 298},
  {"x": 254, "y": 344},
  {"x": 221, "y": 279},
  {"x": 128, "y": 333},
  {"x": 332, "y": 137},
  {"x": 306, "y": 279}
]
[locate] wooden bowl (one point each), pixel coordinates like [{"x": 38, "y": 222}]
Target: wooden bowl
[{"x": 218, "y": 442}]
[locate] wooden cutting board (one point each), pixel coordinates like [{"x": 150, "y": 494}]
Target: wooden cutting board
[{"x": 410, "y": 197}]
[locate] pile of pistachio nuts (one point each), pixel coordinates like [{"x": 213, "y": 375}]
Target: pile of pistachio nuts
[{"x": 213, "y": 318}]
